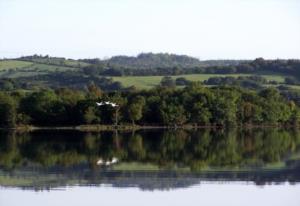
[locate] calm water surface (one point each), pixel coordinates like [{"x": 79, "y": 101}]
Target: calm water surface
[{"x": 155, "y": 167}]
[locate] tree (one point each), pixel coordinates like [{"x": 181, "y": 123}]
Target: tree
[
  {"x": 87, "y": 112},
  {"x": 167, "y": 82},
  {"x": 172, "y": 114},
  {"x": 224, "y": 107},
  {"x": 200, "y": 113},
  {"x": 8, "y": 111},
  {"x": 291, "y": 81},
  {"x": 135, "y": 109},
  {"x": 90, "y": 116},
  {"x": 181, "y": 81},
  {"x": 44, "y": 108},
  {"x": 94, "y": 92}
]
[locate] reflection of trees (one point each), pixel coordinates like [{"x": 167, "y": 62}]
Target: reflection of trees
[
  {"x": 224, "y": 149},
  {"x": 136, "y": 148},
  {"x": 190, "y": 149},
  {"x": 172, "y": 146},
  {"x": 10, "y": 148}
]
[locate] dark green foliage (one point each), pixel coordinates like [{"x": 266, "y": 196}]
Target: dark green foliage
[
  {"x": 135, "y": 108},
  {"x": 150, "y": 60},
  {"x": 292, "y": 81},
  {"x": 168, "y": 64},
  {"x": 93, "y": 69},
  {"x": 44, "y": 108},
  {"x": 172, "y": 114},
  {"x": 167, "y": 82},
  {"x": 74, "y": 80},
  {"x": 8, "y": 113},
  {"x": 181, "y": 81},
  {"x": 11, "y": 84},
  {"x": 194, "y": 104},
  {"x": 250, "y": 82},
  {"x": 87, "y": 112}
]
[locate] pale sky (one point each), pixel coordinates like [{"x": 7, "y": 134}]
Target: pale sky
[{"x": 206, "y": 29}]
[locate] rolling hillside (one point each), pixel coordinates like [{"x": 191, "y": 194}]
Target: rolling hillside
[{"x": 144, "y": 71}]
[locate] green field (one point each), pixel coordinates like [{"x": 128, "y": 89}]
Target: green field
[
  {"x": 295, "y": 86},
  {"x": 59, "y": 62},
  {"x": 146, "y": 82},
  {"x": 13, "y": 64},
  {"x": 14, "y": 69}
]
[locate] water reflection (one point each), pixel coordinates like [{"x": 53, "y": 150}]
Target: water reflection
[{"x": 150, "y": 159}]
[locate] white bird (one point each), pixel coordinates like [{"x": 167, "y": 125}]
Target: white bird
[
  {"x": 99, "y": 103},
  {"x": 107, "y": 103},
  {"x": 113, "y": 105}
]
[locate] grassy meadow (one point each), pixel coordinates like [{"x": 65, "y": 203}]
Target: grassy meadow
[
  {"x": 16, "y": 68},
  {"x": 147, "y": 82},
  {"x": 13, "y": 64}
]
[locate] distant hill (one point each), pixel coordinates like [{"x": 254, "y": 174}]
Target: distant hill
[
  {"x": 141, "y": 61},
  {"x": 150, "y": 60},
  {"x": 159, "y": 60},
  {"x": 57, "y": 61},
  {"x": 143, "y": 71}
]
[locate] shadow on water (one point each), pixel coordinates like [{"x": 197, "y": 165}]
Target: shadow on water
[{"x": 150, "y": 159}]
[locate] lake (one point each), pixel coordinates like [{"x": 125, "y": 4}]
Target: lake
[{"x": 150, "y": 167}]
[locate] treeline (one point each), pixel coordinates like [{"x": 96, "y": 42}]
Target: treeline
[
  {"x": 56, "y": 61},
  {"x": 152, "y": 61},
  {"x": 141, "y": 61},
  {"x": 149, "y": 64},
  {"x": 56, "y": 80},
  {"x": 193, "y": 105},
  {"x": 258, "y": 66},
  {"x": 249, "y": 82}
]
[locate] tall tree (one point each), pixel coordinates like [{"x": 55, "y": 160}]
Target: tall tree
[
  {"x": 135, "y": 109},
  {"x": 7, "y": 111}
]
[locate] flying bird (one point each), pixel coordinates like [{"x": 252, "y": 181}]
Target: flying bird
[
  {"x": 107, "y": 103},
  {"x": 113, "y": 104},
  {"x": 99, "y": 103}
]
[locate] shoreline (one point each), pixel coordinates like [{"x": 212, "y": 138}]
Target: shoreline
[{"x": 98, "y": 128}]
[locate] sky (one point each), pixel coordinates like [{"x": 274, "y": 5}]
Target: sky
[{"x": 206, "y": 29}]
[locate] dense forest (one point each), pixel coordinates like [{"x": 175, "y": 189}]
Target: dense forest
[{"x": 192, "y": 105}]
